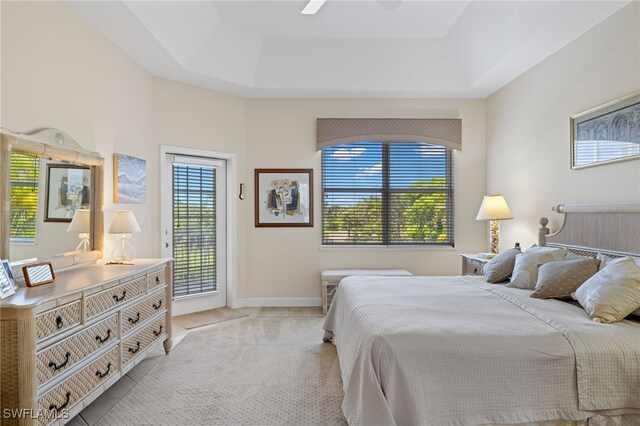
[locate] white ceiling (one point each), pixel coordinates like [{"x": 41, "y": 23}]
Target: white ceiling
[{"x": 362, "y": 48}]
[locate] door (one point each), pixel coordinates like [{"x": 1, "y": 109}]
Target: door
[{"x": 194, "y": 226}]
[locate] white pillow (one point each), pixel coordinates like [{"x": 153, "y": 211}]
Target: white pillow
[
  {"x": 613, "y": 293},
  {"x": 525, "y": 271},
  {"x": 572, "y": 256}
]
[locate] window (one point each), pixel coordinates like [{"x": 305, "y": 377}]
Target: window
[
  {"x": 25, "y": 170},
  {"x": 378, "y": 193}
]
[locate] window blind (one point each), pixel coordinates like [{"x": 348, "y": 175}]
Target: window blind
[
  {"x": 194, "y": 229},
  {"x": 25, "y": 171},
  {"x": 378, "y": 193}
]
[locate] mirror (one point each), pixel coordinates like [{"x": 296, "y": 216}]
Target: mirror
[{"x": 52, "y": 190}]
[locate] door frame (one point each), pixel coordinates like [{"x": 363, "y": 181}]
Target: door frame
[{"x": 231, "y": 202}]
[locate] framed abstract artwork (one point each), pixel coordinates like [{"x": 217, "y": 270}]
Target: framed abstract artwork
[
  {"x": 284, "y": 197},
  {"x": 606, "y": 134},
  {"x": 68, "y": 189},
  {"x": 129, "y": 179}
]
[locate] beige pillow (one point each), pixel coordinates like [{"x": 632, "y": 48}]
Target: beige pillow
[
  {"x": 557, "y": 280},
  {"x": 613, "y": 293},
  {"x": 500, "y": 267},
  {"x": 525, "y": 271}
]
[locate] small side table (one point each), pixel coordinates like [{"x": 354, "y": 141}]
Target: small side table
[
  {"x": 472, "y": 264},
  {"x": 331, "y": 279}
]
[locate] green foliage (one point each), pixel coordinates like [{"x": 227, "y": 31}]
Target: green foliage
[
  {"x": 24, "y": 195},
  {"x": 414, "y": 217}
]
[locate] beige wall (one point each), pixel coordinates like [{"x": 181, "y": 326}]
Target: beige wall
[
  {"x": 63, "y": 73},
  {"x": 528, "y": 127},
  {"x": 286, "y": 262}
]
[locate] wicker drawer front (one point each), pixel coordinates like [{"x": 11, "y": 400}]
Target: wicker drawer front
[
  {"x": 57, "y": 320},
  {"x": 109, "y": 299},
  {"x": 156, "y": 279},
  {"x": 69, "y": 392},
  {"x": 140, "y": 312},
  {"x": 139, "y": 341},
  {"x": 60, "y": 357}
]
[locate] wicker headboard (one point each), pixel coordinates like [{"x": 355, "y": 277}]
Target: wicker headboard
[{"x": 588, "y": 229}]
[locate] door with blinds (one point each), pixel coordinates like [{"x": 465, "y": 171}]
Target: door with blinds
[{"x": 194, "y": 231}]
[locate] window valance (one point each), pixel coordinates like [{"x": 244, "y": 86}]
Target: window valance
[{"x": 446, "y": 132}]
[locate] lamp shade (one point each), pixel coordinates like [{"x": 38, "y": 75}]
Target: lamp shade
[
  {"x": 124, "y": 222},
  {"x": 80, "y": 222},
  {"x": 494, "y": 207}
]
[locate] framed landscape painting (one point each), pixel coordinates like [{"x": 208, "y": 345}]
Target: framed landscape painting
[
  {"x": 284, "y": 197},
  {"x": 129, "y": 179}
]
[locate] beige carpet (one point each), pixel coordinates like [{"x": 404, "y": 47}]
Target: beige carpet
[
  {"x": 212, "y": 316},
  {"x": 250, "y": 371},
  {"x": 315, "y": 312}
]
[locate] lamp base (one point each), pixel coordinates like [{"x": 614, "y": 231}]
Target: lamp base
[{"x": 494, "y": 236}]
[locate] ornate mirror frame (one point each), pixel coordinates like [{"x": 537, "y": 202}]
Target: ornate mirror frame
[{"x": 56, "y": 144}]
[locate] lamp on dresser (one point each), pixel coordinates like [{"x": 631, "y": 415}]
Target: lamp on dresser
[
  {"x": 124, "y": 223},
  {"x": 494, "y": 208},
  {"x": 80, "y": 223}
]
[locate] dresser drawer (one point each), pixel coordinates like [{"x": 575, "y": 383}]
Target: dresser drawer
[
  {"x": 139, "y": 341},
  {"x": 113, "y": 297},
  {"x": 156, "y": 279},
  {"x": 58, "y": 358},
  {"x": 141, "y": 311},
  {"x": 50, "y": 323},
  {"x": 72, "y": 390}
]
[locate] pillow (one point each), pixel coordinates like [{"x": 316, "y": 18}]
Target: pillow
[
  {"x": 613, "y": 293},
  {"x": 500, "y": 267},
  {"x": 605, "y": 260},
  {"x": 525, "y": 271},
  {"x": 557, "y": 280},
  {"x": 572, "y": 256}
]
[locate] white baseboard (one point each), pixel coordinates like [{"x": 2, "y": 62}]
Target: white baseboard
[{"x": 258, "y": 302}]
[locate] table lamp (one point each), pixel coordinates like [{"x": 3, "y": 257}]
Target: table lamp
[
  {"x": 80, "y": 223},
  {"x": 494, "y": 208},
  {"x": 124, "y": 223}
]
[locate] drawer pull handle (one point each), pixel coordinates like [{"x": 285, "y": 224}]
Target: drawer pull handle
[
  {"x": 133, "y": 321},
  {"x": 63, "y": 406},
  {"x": 157, "y": 279},
  {"x": 64, "y": 364},
  {"x": 59, "y": 322},
  {"x": 121, "y": 298},
  {"x": 157, "y": 333},
  {"x": 106, "y": 373},
  {"x": 133, "y": 351},
  {"x": 104, "y": 339},
  {"x": 158, "y": 305}
]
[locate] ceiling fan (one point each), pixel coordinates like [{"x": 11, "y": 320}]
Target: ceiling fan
[{"x": 314, "y": 5}]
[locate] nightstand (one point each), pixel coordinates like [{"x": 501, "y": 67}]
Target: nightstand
[
  {"x": 472, "y": 264},
  {"x": 331, "y": 279}
]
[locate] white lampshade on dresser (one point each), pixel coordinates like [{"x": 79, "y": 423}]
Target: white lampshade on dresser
[
  {"x": 81, "y": 224},
  {"x": 123, "y": 225},
  {"x": 494, "y": 208}
]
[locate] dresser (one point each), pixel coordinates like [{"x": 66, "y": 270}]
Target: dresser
[{"x": 63, "y": 344}]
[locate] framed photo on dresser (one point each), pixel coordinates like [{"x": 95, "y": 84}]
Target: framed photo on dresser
[{"x": 6, "y": 286}]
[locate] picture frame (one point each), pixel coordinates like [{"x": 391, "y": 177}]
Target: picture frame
[
  {"x": 68, "y": 189},
  {"x": 7, "y": 267},
  {"x": 36, "y": 274},
  {"x": 6, "y": 288},
  {"x": 129, "y": 179},
  {"x": 283, "y": 198},
  {"x": 606, "y": 134}
]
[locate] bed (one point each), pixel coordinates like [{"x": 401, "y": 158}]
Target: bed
[{"x": 459, "y": 351}]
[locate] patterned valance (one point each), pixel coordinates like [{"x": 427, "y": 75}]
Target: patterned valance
[{"x": 446, "y": 132}]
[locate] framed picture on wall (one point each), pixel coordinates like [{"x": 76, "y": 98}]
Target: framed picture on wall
[
  {"x": 129, "y": 179},
  {"x": 68, "y": 189},
  {"x": 284, "y": 197}
]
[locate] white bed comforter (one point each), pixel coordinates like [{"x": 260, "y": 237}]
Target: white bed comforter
[{"x": 458, "y": 351}]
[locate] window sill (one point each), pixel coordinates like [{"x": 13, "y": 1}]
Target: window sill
[{"x": 398, "y": 248}]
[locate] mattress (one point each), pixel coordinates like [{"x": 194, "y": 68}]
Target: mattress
[{"x": 459, "y": 351}]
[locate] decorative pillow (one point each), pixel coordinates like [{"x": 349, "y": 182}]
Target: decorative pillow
[
  {"x": 525, "y": 271},
  {"x": 500, "y": 267},
  {"x": 613, "y": 293},
  {"x": 572, "y": 256},
  {"x": 605, "y": 260},
  {"x": 557, "y": 280}
]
